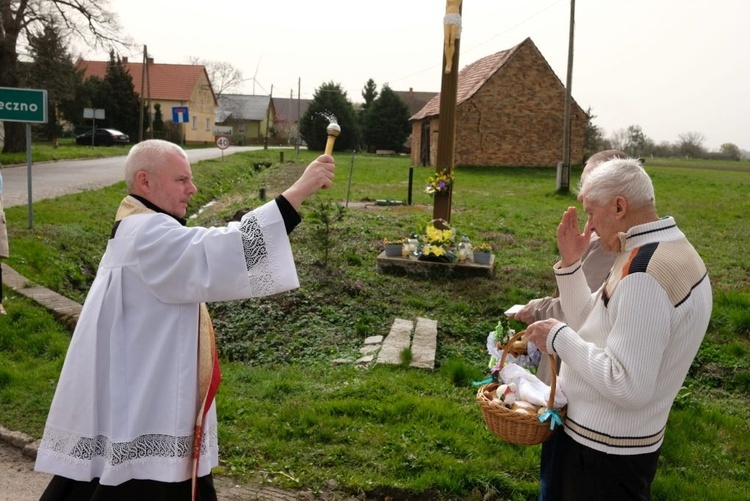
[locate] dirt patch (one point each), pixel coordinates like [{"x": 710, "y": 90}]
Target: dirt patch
[{"x": 18, "y": 480}]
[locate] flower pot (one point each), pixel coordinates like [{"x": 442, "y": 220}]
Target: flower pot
[
  {"x": 482, "y": 257},
  {"x": 393, "y": 250}
]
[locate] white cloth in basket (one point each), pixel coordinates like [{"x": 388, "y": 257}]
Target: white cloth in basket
[{"x": 530, "y": 388}]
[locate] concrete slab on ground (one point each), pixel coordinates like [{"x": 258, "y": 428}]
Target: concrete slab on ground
[
  {"x": 424, "y": 343},
  {"x": 397, "y": 340},
  {"x": 419, "y": 335}
]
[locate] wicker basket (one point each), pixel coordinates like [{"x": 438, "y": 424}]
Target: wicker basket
[{"x": 515, "y": 427}]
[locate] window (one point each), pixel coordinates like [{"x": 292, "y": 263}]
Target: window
[
  {"x": 208, "y": 123},
  {"x": 195, "y": 122}
]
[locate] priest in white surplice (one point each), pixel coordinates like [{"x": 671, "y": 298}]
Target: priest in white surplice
[{"x": 133, "y": 416}]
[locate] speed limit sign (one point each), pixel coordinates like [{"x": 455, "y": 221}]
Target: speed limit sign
[{"x": 222, "y": 142}]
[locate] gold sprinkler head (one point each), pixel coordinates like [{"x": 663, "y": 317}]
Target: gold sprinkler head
[{"x": 333, "y": 131}]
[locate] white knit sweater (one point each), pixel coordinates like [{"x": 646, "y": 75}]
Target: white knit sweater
[{"x": 627, "y": 348}]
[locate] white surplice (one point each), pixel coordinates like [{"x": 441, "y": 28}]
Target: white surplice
[{"x": 127, "y": 398}]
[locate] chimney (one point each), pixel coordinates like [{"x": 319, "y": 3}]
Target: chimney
[
  {"x": 124, "y": 59},
  {"x": 149, "y": 60}
]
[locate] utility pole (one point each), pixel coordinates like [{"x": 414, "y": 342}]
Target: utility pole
[
  {"x": 268, "y": 117},
  {"x": 563, "y": 169},
  {"x": 143, "y": 81},
  {"x": 299, "y": 116}
]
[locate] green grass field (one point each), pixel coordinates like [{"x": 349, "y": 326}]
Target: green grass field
[{"x": 290, "y": 418}]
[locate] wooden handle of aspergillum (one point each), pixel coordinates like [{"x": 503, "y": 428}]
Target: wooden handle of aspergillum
[
  {"x": 333, "y": 131},
  {"x": 329, "y": 144}
]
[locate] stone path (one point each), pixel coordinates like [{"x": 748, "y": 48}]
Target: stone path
[{"x": 419, "y": 336}]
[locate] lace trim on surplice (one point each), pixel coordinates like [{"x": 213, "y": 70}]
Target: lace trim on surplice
[
  {"x": 257, "y": 260},
  {"x": 158, "y": 447}
]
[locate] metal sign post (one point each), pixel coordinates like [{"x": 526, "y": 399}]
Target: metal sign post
[
  {"x": 24, "y": 105},
  {"x": 222, "y": 142},
  {"x": 180, "y": 116},
  {"x": 94, "y": 114}
]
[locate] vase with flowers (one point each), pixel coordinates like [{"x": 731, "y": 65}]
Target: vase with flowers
[
  {"x": 393, "y": 248},
  {"x": 439, "y": 183},
  {"x": 482, "y": 253}
]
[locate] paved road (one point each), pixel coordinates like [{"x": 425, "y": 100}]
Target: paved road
[{"x": 54, "y": 179}]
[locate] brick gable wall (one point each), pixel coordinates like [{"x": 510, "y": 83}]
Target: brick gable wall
[{"x": 515, "y": 119}]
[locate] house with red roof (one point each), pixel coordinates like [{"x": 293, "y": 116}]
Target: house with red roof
[
  {"x": 510, "y": 111},
  {"x": 415, "y": 100},
  {"x": 172, "y": 86}
]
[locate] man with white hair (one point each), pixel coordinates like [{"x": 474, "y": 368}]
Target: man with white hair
[
  {"x": 134, "y": 414},
  {"x": 626, "y": 348},
  {"x": 595, "y": 263}
]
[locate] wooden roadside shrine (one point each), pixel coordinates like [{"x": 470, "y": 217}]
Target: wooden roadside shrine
[{"x": 441, "y": 211}]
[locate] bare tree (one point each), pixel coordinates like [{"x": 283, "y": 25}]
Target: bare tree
[
  {"x": 593, "y": 138},
  {"x": 223, "y": 76},
  {"x": 690, "y": 144},
  {"x": 619, "y": 139},
  {"x": 89, "y": 20},
  {"x": 637, "y": 141}
]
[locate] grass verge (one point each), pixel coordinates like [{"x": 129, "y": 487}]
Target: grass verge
[{"x": 297, "y": 420}]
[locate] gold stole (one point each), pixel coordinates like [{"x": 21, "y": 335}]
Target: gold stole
[
  {"x": 209, "y": 377},
  {"x": 209, "y": 374}
]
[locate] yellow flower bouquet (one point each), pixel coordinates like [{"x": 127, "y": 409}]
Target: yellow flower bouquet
[
  {"x": 439, "y": 183},
  {"x": 438, "y": 244}
]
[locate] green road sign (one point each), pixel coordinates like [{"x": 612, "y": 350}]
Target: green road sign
[{"x": 23, "y": 105}]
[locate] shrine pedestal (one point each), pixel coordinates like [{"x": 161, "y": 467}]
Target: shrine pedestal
[{"x": 411, "y": 265}]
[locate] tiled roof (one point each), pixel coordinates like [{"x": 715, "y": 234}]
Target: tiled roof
[
  {"x": 415, "y": 100},
  {"x": 242, "y": 107},
  {"x": 471, "y": 79},
  {"x": 286, "y": 108},
  {"x": 169, "y": 82}
]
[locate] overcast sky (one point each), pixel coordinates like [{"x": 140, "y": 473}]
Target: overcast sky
[{"x": 670, "y": 66}]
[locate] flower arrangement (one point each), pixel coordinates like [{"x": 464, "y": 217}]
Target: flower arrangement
[
  {"x": 398, "y": 241},
  {"x": 441, "y": 237},
  {"x": 439, "y": 183},
  {"x": 438, "y": 243},
  {"x": 394, "y": 248},
  {"x": 484, "y": 247},
  {"x": 434, "y": 250}
]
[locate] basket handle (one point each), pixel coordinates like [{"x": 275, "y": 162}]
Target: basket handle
[{"x": 552, "y": 364}]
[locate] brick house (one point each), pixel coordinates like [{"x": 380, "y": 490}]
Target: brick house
[
  {"x": 510, "y": 109},
  {"x": 170, "y": 85}
]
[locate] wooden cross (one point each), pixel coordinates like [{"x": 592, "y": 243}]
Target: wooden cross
[{"x": 441, "y": 211}]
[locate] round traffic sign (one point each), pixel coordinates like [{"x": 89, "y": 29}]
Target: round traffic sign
[{"x": 222, "y": 142}]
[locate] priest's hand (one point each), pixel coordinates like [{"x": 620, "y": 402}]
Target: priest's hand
[{"x": 317, "y": 176}]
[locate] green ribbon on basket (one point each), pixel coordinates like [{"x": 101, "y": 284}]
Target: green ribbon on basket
[
  {"x": 553, "y": 416},
  {"x": 480, "y": 383}
]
